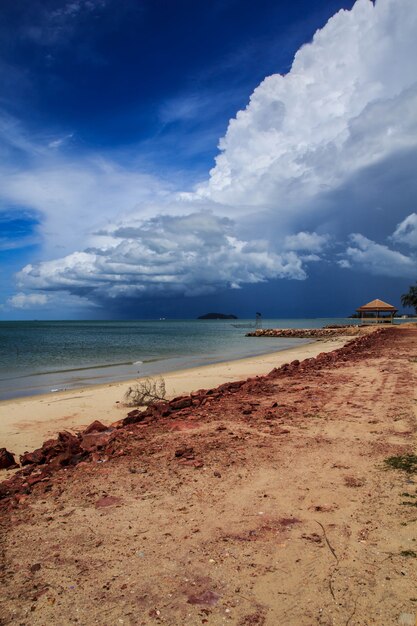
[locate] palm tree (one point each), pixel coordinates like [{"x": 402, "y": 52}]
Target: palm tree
[{"x": 410, "y": 298}]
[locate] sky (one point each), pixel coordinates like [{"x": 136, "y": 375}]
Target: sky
[{"x": 167, "y": 158}]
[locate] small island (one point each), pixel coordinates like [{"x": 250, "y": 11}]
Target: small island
[{"x": 217, "y": 316}]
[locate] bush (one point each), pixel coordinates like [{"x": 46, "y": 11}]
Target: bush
[{"x": 146, "y": 392}]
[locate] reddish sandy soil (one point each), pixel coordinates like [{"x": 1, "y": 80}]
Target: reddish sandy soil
[{"x": 265, "y": 503}]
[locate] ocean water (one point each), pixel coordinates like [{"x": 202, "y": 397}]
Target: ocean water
[{"x": 39, "y": 357}]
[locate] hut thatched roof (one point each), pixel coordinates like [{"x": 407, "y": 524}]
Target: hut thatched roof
[{"x": 377, "y": 305}]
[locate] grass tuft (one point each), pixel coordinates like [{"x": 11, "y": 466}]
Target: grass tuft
[
  {"x": 406, "y": 463},
  {"x": 409, "y": 553}
]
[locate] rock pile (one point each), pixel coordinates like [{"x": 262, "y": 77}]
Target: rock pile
[{"x": 308, "y": 333}]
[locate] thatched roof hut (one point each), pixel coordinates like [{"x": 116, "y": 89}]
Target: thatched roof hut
[{"x": 377, "y": 311}]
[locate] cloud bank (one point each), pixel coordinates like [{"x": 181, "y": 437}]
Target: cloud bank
[
  {"x": 347, "y": 107},
  {"x": 164, "y": 256}
]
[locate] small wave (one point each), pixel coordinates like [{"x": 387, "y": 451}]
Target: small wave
[{"x": 137, "y": 363}]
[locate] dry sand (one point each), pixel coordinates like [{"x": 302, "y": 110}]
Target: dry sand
[{"x": 26, "y": 422}]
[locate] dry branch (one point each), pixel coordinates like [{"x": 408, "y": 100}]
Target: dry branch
[{"x": 146, "y": 392}]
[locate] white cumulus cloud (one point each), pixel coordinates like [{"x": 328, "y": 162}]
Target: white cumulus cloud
[
  {"x": 406, "y": 231},
  {"x": 310, "y": 242},
  {"x": 27, "y": 301},
  {"x": 349, "y": 101},
  {"x": 378, "y": 259}
]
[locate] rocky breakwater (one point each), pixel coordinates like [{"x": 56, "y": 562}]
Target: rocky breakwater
[{"x": 309, "y": 333}]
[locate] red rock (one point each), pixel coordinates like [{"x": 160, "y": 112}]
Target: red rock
[
  {"x": 33, "y": 480},
  {"x": 49, "y": 444},
  {"x": 231, "y": 387},
  {"x": 66, "y": 446},
  {"x": 7, "y": 460},
  {"x": 65, "y": 443},
  {"x": 180, "y": 403},
  {"x": 191, "y": 462},
  {"x": 106, "y": 501},
  {"x": 35, "y": 457},
  {"x": 205, "y": 597},
  {"x": 200, "y": 393},
  {"x": 184, "y": 452},
  {"x": 95, "y": 427},
  {"x": 136, "y": 416},
  {"x": 9, "y": 486},
  {"x": 68, "y": 440},
  {"x": 95, "y": 440},
  {"x": 289, "y": 521},
  {"x": 21, "y": 498},
  {"x": 63, "y": 459}
]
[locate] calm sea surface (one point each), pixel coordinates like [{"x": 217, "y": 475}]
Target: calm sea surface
[{"x": 39, "y": 357}]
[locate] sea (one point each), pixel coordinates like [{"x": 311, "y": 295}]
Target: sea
[{"x": 44, "y": 357}]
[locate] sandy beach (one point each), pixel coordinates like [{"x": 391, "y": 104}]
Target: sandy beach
[
  {"x": 287, "y": 498},
  {"x": 26, "y": 422}
]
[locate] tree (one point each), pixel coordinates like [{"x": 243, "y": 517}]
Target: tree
[{"x": 410, "y": 298}]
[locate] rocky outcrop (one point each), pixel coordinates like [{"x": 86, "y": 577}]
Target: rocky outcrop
[
  {"x": 62, "y": 450},
  {"x": 95, "y": 427},
  {"x": 7, "y": 460}
]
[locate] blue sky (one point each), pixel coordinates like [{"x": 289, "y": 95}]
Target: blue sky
[{"x": 164, "y": 158}]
